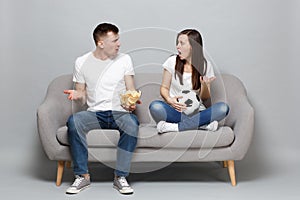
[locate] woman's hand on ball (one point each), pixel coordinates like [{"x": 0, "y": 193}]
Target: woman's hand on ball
[{"x": 174, "y": 102}]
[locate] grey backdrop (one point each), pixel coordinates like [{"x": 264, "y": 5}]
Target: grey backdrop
[{"x": 255, "y": 40}]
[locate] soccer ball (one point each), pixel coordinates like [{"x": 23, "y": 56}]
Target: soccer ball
[{"x": 191, "y": 100}]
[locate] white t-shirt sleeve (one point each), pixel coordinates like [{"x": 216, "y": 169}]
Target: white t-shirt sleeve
[
  {"x": 210, "y": 71},
  {"x": 77, "y": 74},
  {"x": 169, "y": 64},
  {"x": 128, "y": 65}
]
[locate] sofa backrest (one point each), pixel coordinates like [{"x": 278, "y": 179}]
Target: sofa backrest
[
  {"x": 149, "y": 84},
  {"x": 226, "y": 88}
]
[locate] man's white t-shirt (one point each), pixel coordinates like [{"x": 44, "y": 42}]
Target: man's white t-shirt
[
  {"x": 176, "y": 87},
  {"x": 104, "y": 80}
]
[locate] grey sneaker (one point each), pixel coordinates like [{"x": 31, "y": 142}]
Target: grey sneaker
[
  {"x": 121, "y": 184},
  {"x": 79, "y": 184}
]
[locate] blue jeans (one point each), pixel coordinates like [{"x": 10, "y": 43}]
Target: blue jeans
[
  {"x": 79, "y": 124},
  {"x": 161, "y": 111}
]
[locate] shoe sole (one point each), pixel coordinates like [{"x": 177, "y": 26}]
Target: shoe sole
[
  {"x": 126, "y": 193},
  {"x": 77, "y": 191}
]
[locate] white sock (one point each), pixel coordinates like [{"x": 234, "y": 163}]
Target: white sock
[{"x": 164, "y": 127}]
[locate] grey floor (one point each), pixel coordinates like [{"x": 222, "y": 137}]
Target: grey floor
[{"x": 32, "y": 177}]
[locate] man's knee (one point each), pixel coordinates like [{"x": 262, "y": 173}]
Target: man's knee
[
  {"x": 130, "y": 125},
  {"x": 74, "y": 123},
  {"x": 134, "y": 124},
  {"x": 70, "y": 122}
]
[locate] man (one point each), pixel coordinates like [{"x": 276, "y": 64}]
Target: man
[{"x": 100, "y": 77}]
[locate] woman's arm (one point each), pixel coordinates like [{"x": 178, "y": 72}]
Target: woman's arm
[
  {"x": 165, "y": 92},
  {"x": 165, "y": 86},
  {"x": 205, "y": 87}
]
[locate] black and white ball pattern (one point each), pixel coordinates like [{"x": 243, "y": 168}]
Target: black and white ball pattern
[{"x": 192, "y": 101}]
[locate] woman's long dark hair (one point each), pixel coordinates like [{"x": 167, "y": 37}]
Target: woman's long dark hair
[{"x": 199, "y": 62}]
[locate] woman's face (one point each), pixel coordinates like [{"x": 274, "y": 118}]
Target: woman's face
[{"x": 184, "y": 47}]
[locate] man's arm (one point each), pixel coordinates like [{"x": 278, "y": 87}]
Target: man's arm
[
  {"x": 129, "y": 83},
  {"x": 78, "y": 94}
]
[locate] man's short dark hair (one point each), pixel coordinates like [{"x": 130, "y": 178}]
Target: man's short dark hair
[{"x": 102, "y": 29}]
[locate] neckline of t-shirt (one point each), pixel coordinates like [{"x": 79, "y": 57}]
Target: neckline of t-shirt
[
  {"x": 99, "y": 60},
  {"x": 187, "y": 73}
]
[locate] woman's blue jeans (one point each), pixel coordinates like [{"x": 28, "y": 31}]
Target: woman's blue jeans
[
  {"x": 79, "y": 124},
  {"x": 161, "y": 111}
]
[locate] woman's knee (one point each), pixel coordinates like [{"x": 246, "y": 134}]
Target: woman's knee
[
  {"x": 156, "y": 105},
  {"x": 157, "y": 110},
  {"x": 223, "y": 108}
]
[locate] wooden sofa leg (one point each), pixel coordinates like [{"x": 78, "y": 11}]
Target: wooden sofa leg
[
  {"x": 225, "y": 164},
  {"x": 231, "y": 171},
  {"x": 68, "y": 164},
  {"x": 60, "y": 171}
]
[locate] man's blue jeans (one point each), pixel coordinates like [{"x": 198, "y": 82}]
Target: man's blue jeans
[
  {"x": 161, "y": 111},
  {"x": 79, "y": 124}
]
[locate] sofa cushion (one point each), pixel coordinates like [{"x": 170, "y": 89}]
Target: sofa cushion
[{"x": 148, "y": 138}]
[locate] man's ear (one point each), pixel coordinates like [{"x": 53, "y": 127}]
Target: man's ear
[{"x": 101, "y": 44}]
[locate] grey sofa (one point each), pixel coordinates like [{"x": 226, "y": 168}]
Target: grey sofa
[{"x": 228, "y": 144}]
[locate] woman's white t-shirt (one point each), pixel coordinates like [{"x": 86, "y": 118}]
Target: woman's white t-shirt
[{"x": 176, "y": 87}]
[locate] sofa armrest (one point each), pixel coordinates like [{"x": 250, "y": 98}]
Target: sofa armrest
[
  {"x": 51, "y": 115},
  {"x": 49, "y": 119},
  {"x": 243, "y": 126},
  {"x": 54, "y": 112},
  {"x": 229, "y": 89}
]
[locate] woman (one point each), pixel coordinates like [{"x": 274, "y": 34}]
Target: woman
[{"x": 187, "y": 72}]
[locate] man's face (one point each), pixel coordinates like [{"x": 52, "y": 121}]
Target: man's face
[{"x": 111, "y": 44}]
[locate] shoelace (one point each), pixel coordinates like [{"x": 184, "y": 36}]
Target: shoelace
[
  {"x": 77, "y": 181},
  {"x": 122, "y": 180}
]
